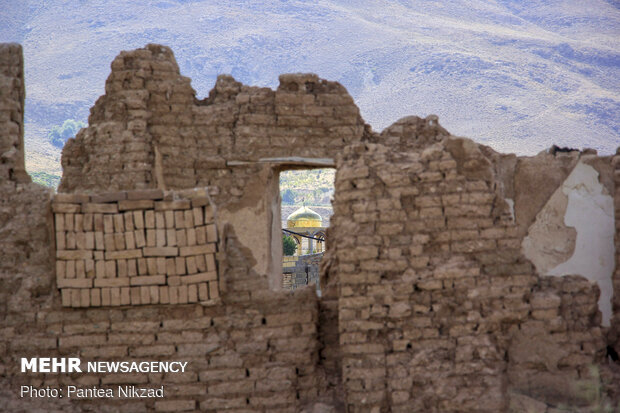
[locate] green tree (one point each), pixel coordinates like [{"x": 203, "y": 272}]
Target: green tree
[
  {"x": 59, "y": 135},
  {"x": 288, "y": 245}
]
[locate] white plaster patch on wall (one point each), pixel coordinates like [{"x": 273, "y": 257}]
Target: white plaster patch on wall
[
  {"x": 590, "y": 211},
  {"x": 511, "y": 206}
]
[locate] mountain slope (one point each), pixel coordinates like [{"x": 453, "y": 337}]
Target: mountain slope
[{"x": 517, "y": 75}]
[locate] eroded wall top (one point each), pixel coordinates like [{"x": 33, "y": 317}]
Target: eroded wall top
[{"x": 150, "y": 131}]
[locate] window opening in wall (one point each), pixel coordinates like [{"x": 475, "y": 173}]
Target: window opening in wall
[{"x": 306, "y": 209}]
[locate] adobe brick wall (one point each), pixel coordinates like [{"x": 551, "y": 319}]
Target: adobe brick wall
[
  {"x": 428, "y": 301},
  {"x": 439, "y": 310}
]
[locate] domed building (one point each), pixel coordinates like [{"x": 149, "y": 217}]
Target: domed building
[{"x": 306, "y": 227}]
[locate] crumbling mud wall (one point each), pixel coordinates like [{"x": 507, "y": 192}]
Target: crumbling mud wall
[{"x": 452, "y": 279}]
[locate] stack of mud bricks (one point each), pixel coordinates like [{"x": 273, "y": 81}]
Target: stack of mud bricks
[{"x": 135, "y": 247}]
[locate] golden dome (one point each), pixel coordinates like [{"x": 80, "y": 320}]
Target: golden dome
[{"x": 304, "y": 217}]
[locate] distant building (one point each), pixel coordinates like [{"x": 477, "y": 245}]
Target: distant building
[{"x": 305, "y": 221}]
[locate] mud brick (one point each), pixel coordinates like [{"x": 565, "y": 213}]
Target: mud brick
[
  {"x": 160, "y": 251},
  {"x": 201, "y": 235},
  {"x": 135, "y": 296},
  {"x": 84, "y": 297},
  {"x": 99, "y": 241},
  {"x": 169, "y": 218},
  {"x": 145, "y": 295},
  {"x": 70, "y": 241},
  {"x": 142, "y": 266},
  {"x": 214, "y": 291},
  {"x": 105, "y": 297},
  {"x": 130, "y": 242},
  {"x": 171, "y": 237},
  {"x": 110, "y": 269},
  {"x": 199, "y": 202},
  {"x": 191, "y": 236},
  {"x": 181, "y": 238},
  {"x": 88, "y": 222},
  {"x": 132, "y": 268},
  {"x": 115, "y": 296},
  {"x": 131, "y": 205},
  {"x": 180, "y": 265},
  {"x": 172, "y": 205},
  {"x": 160, "y": 222},
  {"x": 139, "y": 238},
  {"x": 59, "y": 220},
  {"x": 211, "y": 233},
  {"x": 109, "y": 197},
  {"x": 149, "y": 219},
  {"x": 89, "y": 268},
  {"x": 89, "y": 240},
  {"x": 66, "y": 297},
  {"x": 161, "y": 265},
  {"x": 151, "y": 237},
  {"x": 70, "y": 269},
  {"x": 75, "y": 297},
  {"x": 61, "y": 269},
  {"x": 174, "y": 280},
  {"x": 112, "y": 282},
  {"x": 203, "y": 291},
  {"x": 73, "y": 254},
  {"x": 197, "y": 249},
  {"x": 108, "y": 224},
  {"x": 121, "y": 268},
  {"x": 80, "y": 270},
  {"x": 210, "y": 260},
  {"x": 199, "y": 218},
  {"x": 192, "y": 293},
  {"x": 69, "y": 222},
  {"x": 99, "y": 269},
  {"x": 80, "y": 239},
  {"x": 79, "y": 223},
  {"x": 154, "y": 293},
  {"x": 188, "y": 218},
  {"x": 119, "y": 223},
  {"x": 98, "y": 223},
  {"x": 199, "y": 278},
  {"x": 82, "y": 283},
  {"x": 164, "y": 294},
  {"x": 125, "y": 298},
  {"x": 60, "y": 240},
  {"x": 160, "y": 235},
  {"x": 170, "y": 266},
  {"x": 208, "y": 214},
  {"x": 70, "y": 198},
  {"x": 119, "y": 241},
  {"x": 183, "y": 296},
  {"x": 128, "y": 220},
  {"x": 179, "y": 219},
  {"x": 151, "y": 264},
  {"x": 98, "y": 208},
  {"x": 145, "y": 194},
  {"x": 95, "y": 297},
  {"x": 173, "y": 292},
  {"x": 98, "y": 255},
  {"x": 138, "y": 219},
  {"x": 110, "y": 244},
  {"x": 201, "y": 264},
  {"x": 148, "y": 280},
  {"x": 123, "y": 254},
  {"x": 66, "y": 208},
  {"x": 190, "y": 262}
]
